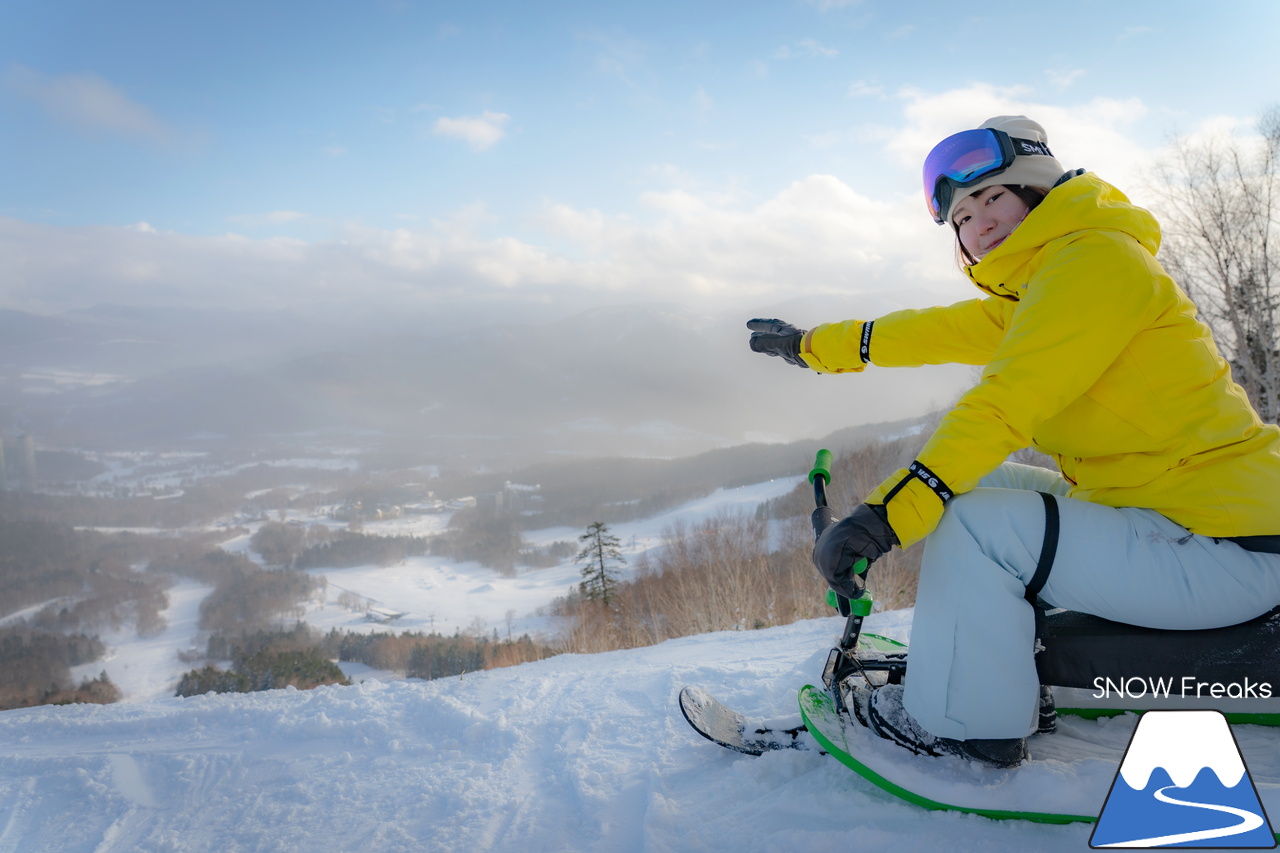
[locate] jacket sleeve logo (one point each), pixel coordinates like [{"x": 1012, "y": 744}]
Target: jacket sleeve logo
[{"x": 932, "y": 480}]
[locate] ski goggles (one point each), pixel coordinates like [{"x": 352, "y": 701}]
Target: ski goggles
[{"x": 968, "y": 157}]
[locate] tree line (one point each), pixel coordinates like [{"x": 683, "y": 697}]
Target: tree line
[
  {"x": 35, "y": 669},
  {"x": 89, "y": 581},
  {"x": 300, "y": 656},
  {"x": 265, "y": 670}
]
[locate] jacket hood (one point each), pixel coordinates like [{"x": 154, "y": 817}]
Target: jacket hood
[{"x": 1083, "y": 203}]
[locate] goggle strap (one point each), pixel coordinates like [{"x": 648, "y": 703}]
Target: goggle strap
[{"x": 1030, "y": 146}]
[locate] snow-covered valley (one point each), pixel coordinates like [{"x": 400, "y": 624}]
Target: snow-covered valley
[
  {"x": 434, "y": 594},
  {"x": 571, "y": 753},
  {"x": 575, "y": 753}
]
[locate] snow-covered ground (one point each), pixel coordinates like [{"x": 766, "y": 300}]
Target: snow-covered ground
[
  {"x": 575, "y": 753},
  {"x": 433, "y": 593},
  {"x": 438, "y": 594},
  {"x": 147, "y": 668}
]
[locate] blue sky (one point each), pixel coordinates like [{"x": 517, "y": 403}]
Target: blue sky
[{"x": 270, "y": 153}]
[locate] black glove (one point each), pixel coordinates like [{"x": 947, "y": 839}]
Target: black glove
[
  {"x": 847, "y": 547},
  {"x": 774, "y": 337}
]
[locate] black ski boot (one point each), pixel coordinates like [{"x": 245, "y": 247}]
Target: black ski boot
[
  {"x": 881, "y": 711},
  {"x": 1048, "y": 720}
]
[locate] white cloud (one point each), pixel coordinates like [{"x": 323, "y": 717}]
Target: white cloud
[
  {"x": 831, "y": 138},
  {"x": 1061, "y": 79},
  {"x": 863, "y": 89},
  {"x": 690, "y": 244},
  {"x": 262, "y": 220},
  {"x": 88, "y": 103},
  {"x": 703, "y": 105},
  {"x": 816, "y": 235},
  {"x": 480, "y": 132},
  {"x": 466, "y": 219},
  {"x": 687, "y": 240},
  {"x": 619, "y": 55},
  {"x": 1221, "y": 134},
  {"x": 805, "y": 47},
  {"x": 662, "y": 177},
  {"x": 1095, "y": 135}
]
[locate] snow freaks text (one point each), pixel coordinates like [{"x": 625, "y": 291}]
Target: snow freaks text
[{"x": 1187, "y": 687}]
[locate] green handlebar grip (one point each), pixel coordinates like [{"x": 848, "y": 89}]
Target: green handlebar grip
[
  {"x": 821, "y": 465},
  {"x": 862, "y": 605}
]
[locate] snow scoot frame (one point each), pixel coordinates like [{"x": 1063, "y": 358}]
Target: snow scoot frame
[
  {"x": 1080, "y": 656},
  {"x": 1074, "y": 651}
]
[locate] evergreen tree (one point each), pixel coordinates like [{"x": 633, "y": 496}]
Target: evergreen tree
[{"x": 601, "y": 555}]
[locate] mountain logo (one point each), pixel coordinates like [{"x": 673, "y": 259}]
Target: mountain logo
[{"x": 1182, "y": 783}]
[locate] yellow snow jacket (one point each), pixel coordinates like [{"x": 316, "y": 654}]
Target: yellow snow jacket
[{"x": 1092, "y": 355}]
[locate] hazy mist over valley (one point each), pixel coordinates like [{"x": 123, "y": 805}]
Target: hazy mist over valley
[{"x": 649, "y": 380}]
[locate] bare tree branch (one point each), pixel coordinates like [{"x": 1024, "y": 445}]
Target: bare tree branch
[{"x": 1220, "y": 210}]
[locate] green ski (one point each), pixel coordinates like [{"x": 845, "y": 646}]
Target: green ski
[{"x": 1066, "y": 779}]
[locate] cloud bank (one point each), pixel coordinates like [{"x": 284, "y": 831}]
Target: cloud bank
[
  {"x": 816, "y": 235},
  {"x": 821, "y": 234},
  {"x": 89, "y": 104}
]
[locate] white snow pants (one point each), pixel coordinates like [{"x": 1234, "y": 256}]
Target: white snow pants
[{"x": 972, "y": 672}]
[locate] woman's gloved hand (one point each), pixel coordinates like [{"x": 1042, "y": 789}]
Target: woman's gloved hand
[
  {"x": 849, "y": 546},
  {"x": 774, "y": 337}
]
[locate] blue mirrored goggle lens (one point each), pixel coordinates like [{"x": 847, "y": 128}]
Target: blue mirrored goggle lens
[{"x": 960, "y": 159}]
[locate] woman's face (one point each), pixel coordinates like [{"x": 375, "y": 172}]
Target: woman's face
[{"x": 983, "y": 220}]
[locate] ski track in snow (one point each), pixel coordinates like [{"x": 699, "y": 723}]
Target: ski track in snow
[{"x": 572, "y": 753}]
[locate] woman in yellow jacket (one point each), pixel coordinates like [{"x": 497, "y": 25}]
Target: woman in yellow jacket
[{"x": 1166, "y": 513}]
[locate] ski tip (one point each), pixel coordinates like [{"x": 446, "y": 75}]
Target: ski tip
[
  {"x": 714, "y": 721},
  {"x": 698, "y": 705},
  {"x": 722, "y": 725}
]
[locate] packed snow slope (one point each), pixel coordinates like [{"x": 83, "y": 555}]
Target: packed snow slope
[{"x": 574, "y": 753}]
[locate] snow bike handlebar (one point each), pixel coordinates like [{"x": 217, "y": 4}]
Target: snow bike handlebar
[
  {"x": 821, "y": 468},
  {"x": 822, "y": 518},
  {"x": 843, "y": 659}
]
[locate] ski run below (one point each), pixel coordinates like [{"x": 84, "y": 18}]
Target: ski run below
[{"x": 573, "y": 753}]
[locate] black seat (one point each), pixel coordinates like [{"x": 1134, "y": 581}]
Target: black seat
[{"x": 1079, "y": 648}]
